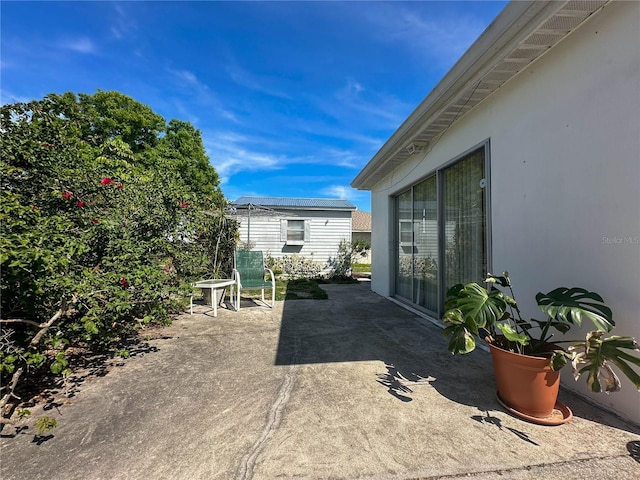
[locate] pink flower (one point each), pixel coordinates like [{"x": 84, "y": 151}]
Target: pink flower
[
  {"x": 106, "y": 181},
  {"x": 184, "y": 204},
  {"x": 34, "y": 208},
  {"x": 67, "y": 194},
  {"x": 95, "y": 220},
  {"x": 120, "y": 187},
  {"x": 124, "y": 282},
  {"x": 80, "y": 204}
]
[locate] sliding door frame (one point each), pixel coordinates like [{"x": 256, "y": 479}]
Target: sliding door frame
[{"x": 439, "y": 174}]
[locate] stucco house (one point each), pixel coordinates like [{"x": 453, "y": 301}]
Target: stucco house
[
  {"x": 311, "y": 227},
  {"x": 525, "y": 157}
]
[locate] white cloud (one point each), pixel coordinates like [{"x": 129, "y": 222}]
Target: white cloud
[
  {"x": 9, "y": 97},
  {"x": 123, "y": 22},
  {"x": 340, "y": 191},
  {"x": 191, "y": 85},
  {"x": 187, "y": 76},
  {"x": 228, "y": 114},
  {"x": 353, "y": 102},
  {"x": 427, "y": 31},
  {"x": 353, "y": 88},
  {"x": 185, "y": 113},
  {"x": 340, "y": 158},
  {"x": 252, "y": 82},
  {"x": 80, "y": 45},
  {"x": 230, "y": 155}
]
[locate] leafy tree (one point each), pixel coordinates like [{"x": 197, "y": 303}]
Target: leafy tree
[
  {"x": 182, "y": 144},
  {"x": 114, "y": 115},
  {"x": 107, "y": 214}
]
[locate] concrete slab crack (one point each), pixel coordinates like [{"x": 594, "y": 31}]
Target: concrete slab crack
[{"x": 245, "y": 471}]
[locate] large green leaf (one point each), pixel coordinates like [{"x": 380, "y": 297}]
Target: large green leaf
[
  {"x": 453, "y": 316},
  {"x": 460, "y": 339},
  {"x": 593, "y": 356},
  {"x": 483, "y": 308},
  {"x": 572, "y": 305},
  {"x": 512, "y": 335},
  {"x": 470, "y": 309}
]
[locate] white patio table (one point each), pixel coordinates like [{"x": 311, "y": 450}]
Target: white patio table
[{"x": 214, "y": 285}]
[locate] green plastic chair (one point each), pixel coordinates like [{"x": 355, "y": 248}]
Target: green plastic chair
[{"x": 249, "y": 272}]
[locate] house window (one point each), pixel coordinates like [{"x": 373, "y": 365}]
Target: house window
[
  {"x": 294, "y": 232},
  {"x": 442, "y": 234}
]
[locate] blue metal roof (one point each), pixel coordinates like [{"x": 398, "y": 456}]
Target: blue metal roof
[{"x": 296, "y": 203}]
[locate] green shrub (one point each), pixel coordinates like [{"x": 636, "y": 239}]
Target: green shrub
[
  {"x": 294, "y": 266},
  {"x": 348, "y": 253},
  {"x": 107, "y": 213}
]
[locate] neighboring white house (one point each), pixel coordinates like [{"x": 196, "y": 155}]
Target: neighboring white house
[
  {"x": 525, "y": 157},
  {"x": 311, "y": 227}
]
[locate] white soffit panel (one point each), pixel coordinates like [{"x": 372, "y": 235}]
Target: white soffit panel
[{"x": 433, "y": 120}]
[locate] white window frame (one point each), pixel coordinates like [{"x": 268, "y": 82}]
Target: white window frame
[
  {"x": 286, "y": 230},
  {"x": 486, "y": 146}
]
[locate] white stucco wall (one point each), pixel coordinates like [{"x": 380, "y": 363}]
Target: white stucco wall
[{"x": 565, "y": 177}]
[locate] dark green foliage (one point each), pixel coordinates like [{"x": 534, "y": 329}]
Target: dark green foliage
[
  {"x": 488, "y": 313},
  {"x": 107, "y": 213}
]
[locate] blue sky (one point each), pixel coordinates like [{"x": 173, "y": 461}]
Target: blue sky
[{"x": 292, "y": 98}]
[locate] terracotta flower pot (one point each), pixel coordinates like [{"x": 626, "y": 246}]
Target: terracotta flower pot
[{"x": 526, "y": 384}]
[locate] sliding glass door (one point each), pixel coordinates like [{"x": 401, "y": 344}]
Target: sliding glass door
[
  {"x": 425, "y": 255},
  {"x": 464, "y": 220},
  {"x": 404, "y": 271},
  {"x": 442, "y": 232}
]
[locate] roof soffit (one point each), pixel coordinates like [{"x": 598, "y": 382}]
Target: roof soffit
[{"x": 517, "y": 37}]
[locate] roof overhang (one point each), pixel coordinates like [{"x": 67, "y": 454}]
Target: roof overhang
[
  {"x": 280, "y": 208},
  {"x": 292, "y": 203},
  {"x": 518, "y": 36}
]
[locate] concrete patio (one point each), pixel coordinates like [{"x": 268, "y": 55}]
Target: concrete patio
[{"x": 354, "y": 387}]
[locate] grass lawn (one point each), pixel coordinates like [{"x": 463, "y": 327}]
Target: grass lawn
[
  {"x": 307, "y": 288},
  {"x": 303, "y": 288},
  {"x": 292, "y": 290},
  {"x": 361, "y": 267}
]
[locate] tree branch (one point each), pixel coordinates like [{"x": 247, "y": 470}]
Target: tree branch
[
  {"x": 12, "y": 387},
  {"x": 45, "y": 327}
]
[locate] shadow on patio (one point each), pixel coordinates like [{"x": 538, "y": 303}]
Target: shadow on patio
[{"x": 357, "y": 325}]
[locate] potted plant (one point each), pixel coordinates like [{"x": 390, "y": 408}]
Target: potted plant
[{"x": 526, "y": 357}]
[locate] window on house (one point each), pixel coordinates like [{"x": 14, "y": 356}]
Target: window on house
[
  {"x": 442, "y": 231},
  {"x": 294, "y": 232}
]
